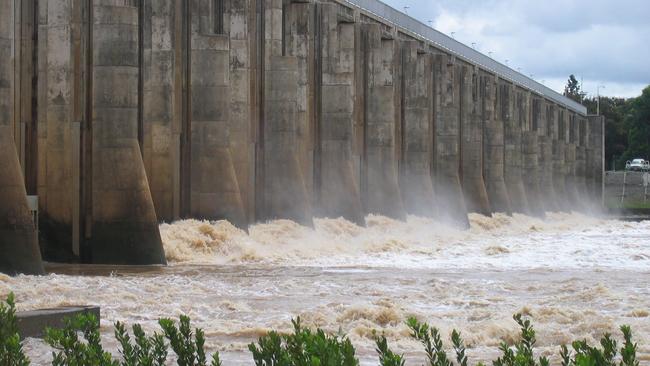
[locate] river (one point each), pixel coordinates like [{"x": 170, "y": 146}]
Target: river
[{"x": 576, "y": 276}]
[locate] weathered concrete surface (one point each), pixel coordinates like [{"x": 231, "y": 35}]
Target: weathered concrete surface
[
  {"x": 494, "y": 117},
  {"x": 530, "y": 154},
  {"x": 34, "y": 322},
  {"x": 277, "y": 109},
  {"x": 215, "y": 191},
  {"x": 18, "y": 237},
  {"x": 545, "y": 120},
  {"x": 449, "y": 194},
  {"x": 125, "y": 226},
  {"x": 472, "y": 133},
  {"x": 382, "y": 193},
  {"x": 512, "y": 103},
  {"x": 337, "y": 185},
  {"x": 415, "y": 179}
]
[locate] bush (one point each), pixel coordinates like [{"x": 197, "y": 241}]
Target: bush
[
  {"x": 304, "y": 347},
  {"x": 11, "y": 350}
]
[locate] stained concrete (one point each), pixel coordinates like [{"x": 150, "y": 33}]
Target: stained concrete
[
  {"x": 495, "y": 113},
  {"x": 512, "y": 101},
  {"x": 472, "y": 140},
  {"x": 382, "y": 121},
  {"x": 417, "y": 119},
  {"x": 449, "y": 194},
  {"x": 337, "y": 187},
  {"x": 251, "y": 110}
]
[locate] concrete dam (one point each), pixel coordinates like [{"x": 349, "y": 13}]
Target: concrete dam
[{"x": 120, "y": 114}]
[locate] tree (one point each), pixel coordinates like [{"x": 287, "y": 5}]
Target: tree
[
  {"x": 573, "y": 89},
  {"x": 637, "y": 123}
]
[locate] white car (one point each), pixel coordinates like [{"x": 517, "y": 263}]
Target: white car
[{"x": 638, "y": 165}]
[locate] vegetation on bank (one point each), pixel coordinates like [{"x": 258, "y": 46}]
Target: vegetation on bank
[
  {"x": 627, "y": 123},
  {"x": 79, "y": 344}
]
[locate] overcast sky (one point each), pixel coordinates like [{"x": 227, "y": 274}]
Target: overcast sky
[{"x": 600, "y": 41}]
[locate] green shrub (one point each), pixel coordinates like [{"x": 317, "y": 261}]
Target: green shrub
[
  {"x": 74, "y": 352},
  {"x": 303, "y": 348},
  {"x": 190, "y": 350},
  {"x": 11, "y": 350},
  {"x": 146, "y": 351},
  {"x": 386, "y": 356}
]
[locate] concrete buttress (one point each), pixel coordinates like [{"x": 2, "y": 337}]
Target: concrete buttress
[
  {"x": 125, "y": 226},
  {"x": 472, "y": 136},
  {"x": 337, "y": 186},
  {"x": 449, "y": 194},
  {"x": 543, "y": 114},
  {"x": 381, "y": 189},
  {"x": 215, "y": 189},
  {"x": 494, "y": 124},
  {"x": 530, "y": 155},
  {"x": 417, "y": 120},
  {"x": 285, "y": 194},
  {"x": 512, "y": 103},
  {"x": 18, "y": 236}
]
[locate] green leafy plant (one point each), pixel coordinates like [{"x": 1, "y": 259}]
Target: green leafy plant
[
  {"x": 72, "y": 351},
  {"x": 146, "y": 351},
  {"x": 386, "y": 356},
  {"x": 302, "y": 348},
  {"x": 188, "y": 346},
  {"x": 11, "y": 350}
]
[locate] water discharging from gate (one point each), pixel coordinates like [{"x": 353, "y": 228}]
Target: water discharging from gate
[{"x": 575, "y": 275}]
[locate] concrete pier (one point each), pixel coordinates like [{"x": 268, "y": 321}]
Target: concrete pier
[
  {"x": 382, "y": 123},
  {"x": 18, "y": 236},
  {"x": 417, "y": 120},
  {"x": 513, "y": 102},
  {"x": 495, "y": 113},
  {"x": 449, "y": 194},
  {"x": 472, "y": 135},
  {"x": 121, "y": 114}
]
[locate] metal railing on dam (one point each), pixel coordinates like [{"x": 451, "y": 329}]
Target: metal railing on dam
[{"x": 444, "y": 42}]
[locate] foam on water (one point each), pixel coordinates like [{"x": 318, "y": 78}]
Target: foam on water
[
  {"x": 576, "y": 276},
  {"x": 498, "y": 242}
]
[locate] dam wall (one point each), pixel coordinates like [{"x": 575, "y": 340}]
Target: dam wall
[{"x": 120, "y": 114}]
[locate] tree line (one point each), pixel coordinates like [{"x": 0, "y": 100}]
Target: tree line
[{"x": 627, "y": 123}]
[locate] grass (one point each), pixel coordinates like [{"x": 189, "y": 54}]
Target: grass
[{"x": 79, "y": 344}]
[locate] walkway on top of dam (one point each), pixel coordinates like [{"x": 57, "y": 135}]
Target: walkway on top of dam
[{"x": 405, "y": 22}]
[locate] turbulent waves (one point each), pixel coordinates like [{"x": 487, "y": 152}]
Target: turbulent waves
[{"x": 496, "y": 242}]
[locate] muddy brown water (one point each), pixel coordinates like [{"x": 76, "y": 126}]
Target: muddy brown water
[{"x": 576, "y": 276}]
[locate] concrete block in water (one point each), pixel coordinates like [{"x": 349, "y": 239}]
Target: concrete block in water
[
  {"x": 449, "y": 194},
  {"x": 381, "y": 188},
  {"x": 472, "y": 133},
  {"x": 494, "y": 116},
  {"x": 417, "y": 150},
  {"x": 34, "y": 322}
]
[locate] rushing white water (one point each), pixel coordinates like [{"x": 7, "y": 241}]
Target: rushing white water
[{"x": 576, "y": 276}]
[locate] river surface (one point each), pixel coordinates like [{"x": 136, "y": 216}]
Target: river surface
[{"x": 576, "y": 276}]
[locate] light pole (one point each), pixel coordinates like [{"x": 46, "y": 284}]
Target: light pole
[
  {"x": 452, "y": 35},
  {"x": 490, "y": 54},
  {"x": 406, "y": 9},
  {"x": 598, "y": 98},
  {"x": 430, "y": 23},
  {"x": 474, "y": 45}
]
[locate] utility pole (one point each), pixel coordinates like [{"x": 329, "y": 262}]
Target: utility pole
[{"x": 598, "y": 98}]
